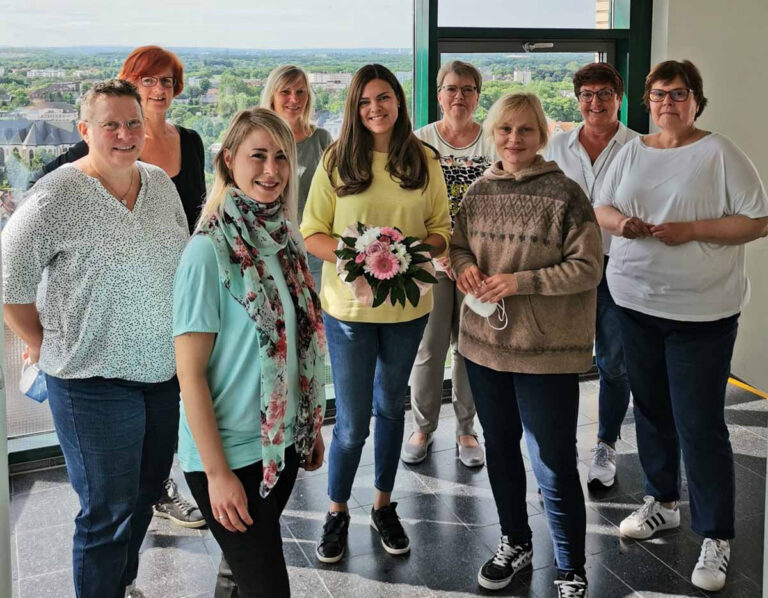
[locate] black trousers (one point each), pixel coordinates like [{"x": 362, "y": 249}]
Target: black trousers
[{"x": 256, "y": 555}]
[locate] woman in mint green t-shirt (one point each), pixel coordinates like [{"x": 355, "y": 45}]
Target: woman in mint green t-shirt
[{"x": 250, "y": 352}]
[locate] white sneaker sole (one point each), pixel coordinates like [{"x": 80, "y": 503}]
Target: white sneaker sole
[
  {"x": 600, "y": 484},
  {"x": 179, "y": 522},
  {"x": 494, "y": 585},
  {"x": 644, "y": 533},
  {"x": 389, "y": 549},
  {"x": 330, "y": 560}
]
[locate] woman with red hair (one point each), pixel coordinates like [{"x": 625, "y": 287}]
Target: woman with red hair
[{"x": 159, "y": 76}]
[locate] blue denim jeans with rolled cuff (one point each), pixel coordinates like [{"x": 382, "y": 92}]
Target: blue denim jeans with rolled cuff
[
  {"x": 118, "y": 439},
  {"x": 371, "y": 364},
  {"x": 679, "y": 372},
  {"x": 545, "y": 407},
  {"x": 609, "y": 358}
]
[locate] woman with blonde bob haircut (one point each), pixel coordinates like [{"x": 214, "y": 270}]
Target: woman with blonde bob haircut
[
  {"x": 289, "y": 94},
  {"x": 248, "y": 334},
  {"x": 526, "y": 239}
]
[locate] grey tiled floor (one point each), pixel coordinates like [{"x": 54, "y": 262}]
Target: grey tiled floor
[{"x": 450, "y": 516}]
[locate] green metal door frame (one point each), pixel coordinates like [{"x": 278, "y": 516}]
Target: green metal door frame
[{"x": 631, "y": 49}]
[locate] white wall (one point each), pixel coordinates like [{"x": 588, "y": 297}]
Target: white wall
[{"x": 727, "y": 41}]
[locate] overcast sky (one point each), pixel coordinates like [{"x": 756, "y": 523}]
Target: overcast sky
[{"x": 257, "y": 24}]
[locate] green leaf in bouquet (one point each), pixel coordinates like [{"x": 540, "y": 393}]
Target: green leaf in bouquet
[
  {"x": 424, "y": 276},
  {"x": 408, "y": 240},
  {"x": 426, "y": 247},
  {"x": 397, "y": 294},
  {"x": 360, "y": 229},
  {"x": 420, "y": 258},
  {"x": 349, "y": 241},
  {"x": 412, "y": 291},
  {"x": 381, "y": 294},
  {"x": 345, "y": 254}
]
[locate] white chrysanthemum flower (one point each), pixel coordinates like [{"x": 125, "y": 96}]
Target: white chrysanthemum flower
[
  {"x": 400, "y": 250},
  {"x": 405, "y": 262},
  {"x": 368, "y": 237}
]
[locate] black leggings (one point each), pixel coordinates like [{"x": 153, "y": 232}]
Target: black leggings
[{"x": 256, "y": 555}]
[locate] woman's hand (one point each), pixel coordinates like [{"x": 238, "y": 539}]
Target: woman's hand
[
  {"x": 315, "y": 458},
  {"x": 470, "y": 280},
  {"x": 634, "y": 228},
  {"x": 444, "y": 264},
  {"x": 31, "y": 354},
  {"x": 229, "y": 502},
  {"x": 673, "y": 233},
  {"x": 494, "y": 288}
]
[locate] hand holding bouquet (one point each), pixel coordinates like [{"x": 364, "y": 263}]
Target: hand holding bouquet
[{"x": 380, "y": 263}]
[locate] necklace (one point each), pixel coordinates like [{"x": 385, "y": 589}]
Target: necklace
[{"x": 121, "y": 197}]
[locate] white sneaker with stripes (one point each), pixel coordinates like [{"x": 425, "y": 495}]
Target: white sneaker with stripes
[
  {"x": 652, "y": 517},
  {"x": 709, "y": 573}
]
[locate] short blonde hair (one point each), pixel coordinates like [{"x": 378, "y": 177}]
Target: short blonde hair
[
  {"x": 516, "y": 102},
  {"x": 461, "y": 69},
  {"x": 288, "y": 74},
  {"x": 243, "y": 123}
]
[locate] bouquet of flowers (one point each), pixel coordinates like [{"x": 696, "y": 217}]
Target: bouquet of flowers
[{"x": 381, "y": 264}]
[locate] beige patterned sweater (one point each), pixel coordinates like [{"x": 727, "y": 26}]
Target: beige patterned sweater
[{"x": 539, "y": 225}]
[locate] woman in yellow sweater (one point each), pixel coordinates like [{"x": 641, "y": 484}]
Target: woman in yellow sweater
[{"x": 380, "y": 174}]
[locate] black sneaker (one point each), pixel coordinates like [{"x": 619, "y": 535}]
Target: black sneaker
[
  {"x": 571, "y": 585},
  {"x": 333, "y": 543},
  {"x": 509, "y": 559},
  {"x": 172, "y": 505},
  {"x": 387, "y": 523}
]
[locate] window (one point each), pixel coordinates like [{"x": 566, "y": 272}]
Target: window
[{"x": 553, "y": 14}]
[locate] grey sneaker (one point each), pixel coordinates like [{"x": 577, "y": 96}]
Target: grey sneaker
[
  {"x": 415, "y": 453},
  {"x": 133, "y": 592},
  {"x": 471, "y": 456},
  {"x": 174, "y": 506}
]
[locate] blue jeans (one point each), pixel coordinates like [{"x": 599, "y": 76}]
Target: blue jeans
[
  {"x": 118, "y": 439},
  {"x": 546, "y": 407},
  {"x": 371, "y": 364},
  {"x": 609, "y": 357},
  {"x": 678, "y": 372}
]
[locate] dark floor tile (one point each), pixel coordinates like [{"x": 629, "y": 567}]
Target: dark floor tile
[
  {"x": 406, "y": 484},
  {"x": 369, "y": 575},
  {"x": 739, "y": 589},
  {"x": 307, "y": 526},
  {"x": 472, "y": 505},
  {"x": 445, "y": 468},
  {"x": 749, "y": 449},
  {"x": 163, "y": 533},
  {"x": 311, "y": 494},
  {"x": 51, "y": 585},
  {"x": 43, "y": 509},
  {"x": 748, "y": 546},
  {"x": 644, "y": 573},
  {"x": 37, "y": 481},
  {"x": 44, "y": 550}
]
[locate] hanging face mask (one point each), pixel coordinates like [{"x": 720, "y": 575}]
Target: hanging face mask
[{"x": 487, "y": 310}]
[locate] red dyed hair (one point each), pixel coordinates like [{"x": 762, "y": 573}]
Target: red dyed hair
[{"x": 148, "y": 61}]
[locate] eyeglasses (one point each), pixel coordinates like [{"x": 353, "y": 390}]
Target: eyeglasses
[
  {"x": 586, "y": 96},
  {"x": 677, "y": 95},
  {"x": 452, "y": 90},
  {"x": 167, "y": 82},
  {"x": 114, "y": 125}
]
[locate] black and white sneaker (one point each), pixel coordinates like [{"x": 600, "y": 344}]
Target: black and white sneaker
[
  {"x": 509, "y": 559},
  {"x": 174, "y": 506},
  {"x": 333, "y": 543},
  {"x": 712, "y": 568},
  {"x": 649, "y": 519},
  {"x": 387, "y": 523},
  {"x": 571, "y": 585}
]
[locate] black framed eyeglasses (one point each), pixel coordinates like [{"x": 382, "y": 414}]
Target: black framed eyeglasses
[
  {"x": 677, "y": 95},
  {"x": 603, "y": 95},
  {"x": 167, "y": 82}
]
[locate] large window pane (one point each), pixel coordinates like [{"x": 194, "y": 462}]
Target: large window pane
[
  {"x": 543, "y": 14},
  {"x": 227, "y": 49}
]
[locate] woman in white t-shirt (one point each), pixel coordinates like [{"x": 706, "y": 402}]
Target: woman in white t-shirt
[
  {"x": 683, "y": 203},
  {"x": 464, "y": 155}
]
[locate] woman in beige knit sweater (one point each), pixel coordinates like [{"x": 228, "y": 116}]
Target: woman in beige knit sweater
[{"x": 526, "y": 239}]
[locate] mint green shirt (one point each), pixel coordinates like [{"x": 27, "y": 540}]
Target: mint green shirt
[{"x": 202, "y": 304}]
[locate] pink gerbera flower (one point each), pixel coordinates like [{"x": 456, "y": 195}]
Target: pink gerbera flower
[
  {"x": 382, "y": 266},
  {"x": 392, "y": 233}
]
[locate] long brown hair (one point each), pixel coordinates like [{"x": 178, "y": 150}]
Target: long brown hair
[{"x": 352, "y": 152}]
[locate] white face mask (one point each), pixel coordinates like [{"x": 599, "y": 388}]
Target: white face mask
[{"x": 486, "y": 310}]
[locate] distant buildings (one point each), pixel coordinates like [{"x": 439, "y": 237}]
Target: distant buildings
[
  {"x": 49, "y": 111},
  {"x": 523, "y": 77},
  {"x": 26, "y": 136},
  {"x": 210, "y": 97},
  {"x": 46, "y": 74}
]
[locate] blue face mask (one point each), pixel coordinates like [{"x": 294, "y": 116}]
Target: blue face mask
[{"x": 32, "y": 382}]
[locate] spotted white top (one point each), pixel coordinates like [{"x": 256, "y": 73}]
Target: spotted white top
[{"x": 106, "y": 306}]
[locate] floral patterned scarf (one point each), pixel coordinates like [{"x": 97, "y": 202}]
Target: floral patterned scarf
[{"x": 246, "y": 232}]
